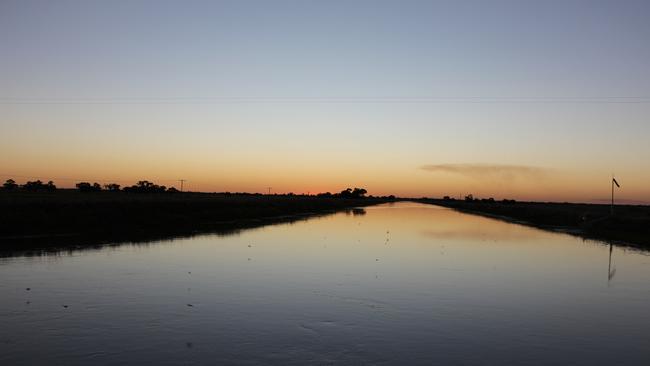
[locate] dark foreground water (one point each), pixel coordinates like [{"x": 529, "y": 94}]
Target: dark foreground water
[{"x": 394, "y": 284}]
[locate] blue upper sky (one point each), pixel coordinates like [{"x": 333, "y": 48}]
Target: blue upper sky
[{"x": 324, "y": 48}]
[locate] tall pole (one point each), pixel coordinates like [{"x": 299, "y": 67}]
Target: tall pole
[
  {"x": 182, "y": 181},
  {"x": 611, "y": 212}
]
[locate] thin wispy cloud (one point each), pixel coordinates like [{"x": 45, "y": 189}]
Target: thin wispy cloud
[{"x": 489, "y": 171}]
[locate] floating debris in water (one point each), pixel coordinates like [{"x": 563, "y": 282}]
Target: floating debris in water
[
  {"x": 190, "y": 305},
  {"x": 27, "y": 289},
  {"x": 65, "y": 306}
]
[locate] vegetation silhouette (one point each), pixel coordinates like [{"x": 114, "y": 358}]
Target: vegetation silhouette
[
  {"x": 113, "y": 187},
  {"x": 91, "y": 213},
  {"x": 40, "y": 209},
  {"x": 10, "y": 185},
  {"x": 30, "y": 186},
  {"x": 353, "y": 193},
  {"x": 87, "y": 187},
  {"x": 631, "y": 224},
  {"x": 144, "y": 186},
  {"x": 37, "y": 185},
  {"x": 470, "y": 199},
  {"x": 356, "y": 193}
]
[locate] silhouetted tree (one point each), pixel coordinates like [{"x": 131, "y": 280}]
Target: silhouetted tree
[
  {"x": 172, "y": 190},
  {"x": 10, "y": 185},
  {"x": 87, "y": 187},
  {"x": 346, "y": 193},
  {"x": 50, "y": 186},
  {"x": 469, "y": 198},
  {"x": 36, "y": 185},
  {"x": 83, "y": 186},
  {"x": 113, "y": 187},
  {"x": 353, "y": 193},
  {"x": 144, "y": 186}
]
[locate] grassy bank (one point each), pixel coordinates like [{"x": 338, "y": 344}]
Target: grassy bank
[
  {"x": 629, "y": 224},
  {"x": 38, "y": 219}
]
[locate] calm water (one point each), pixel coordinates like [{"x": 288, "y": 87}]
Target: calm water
[{"x": 394, "y": 284}]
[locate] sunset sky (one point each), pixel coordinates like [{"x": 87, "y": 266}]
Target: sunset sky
[{"x": 539, "y": 100}]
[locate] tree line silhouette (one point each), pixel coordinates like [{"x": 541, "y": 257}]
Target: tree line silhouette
[
  {"x": 470, "y": 198},
  {"x": 142, "y": 186},
  {"x": 346, "y": 193},
  {"x": 145, "y": 186},
  {"x": 36, "y": 185},
  {"x": 352, "y": 193}
]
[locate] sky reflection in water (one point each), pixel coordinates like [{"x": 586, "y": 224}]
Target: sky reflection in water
[{"x": 396, "y": 284}]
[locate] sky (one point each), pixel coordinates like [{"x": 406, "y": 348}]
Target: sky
[{"x": 531, "y": 100}]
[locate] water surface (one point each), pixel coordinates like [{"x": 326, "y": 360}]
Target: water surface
[{"x": 394, "y": 284}]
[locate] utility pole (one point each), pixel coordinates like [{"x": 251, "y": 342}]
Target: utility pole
[
  {"x": 613, "y": 183},
  {"x": 182, "y": 181},
  {"x": 269, "y": 189}
]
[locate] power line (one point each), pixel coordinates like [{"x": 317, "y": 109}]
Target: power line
[{"x": 336, "y": 100}]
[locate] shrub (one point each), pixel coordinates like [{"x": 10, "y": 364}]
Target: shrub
[
  {"x": 113, "y": 187},
  {"x": 10, "y": 185},
  {"x": 87, "y": 187}
]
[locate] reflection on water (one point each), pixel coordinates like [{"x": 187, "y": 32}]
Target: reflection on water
[
  {"x": 358, "y": 211},
  {"x": 396, "y": 284},
  {"x": 61, "y": 245},
  {"x": 611, "y": 271}
]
